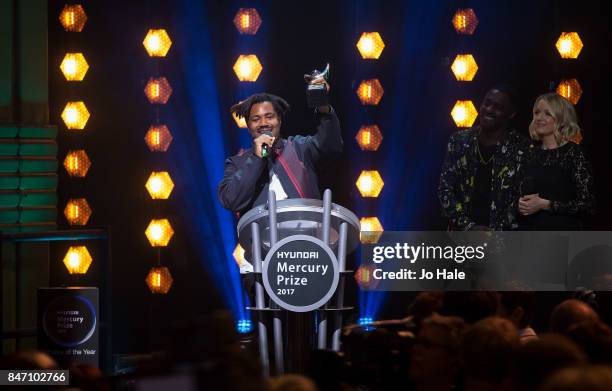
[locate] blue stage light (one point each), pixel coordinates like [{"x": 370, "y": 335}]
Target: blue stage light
[
  {"x": 244, "y": 326},
  {"x": 366, "y": 323},
  {"x": 199, "y": 151}
]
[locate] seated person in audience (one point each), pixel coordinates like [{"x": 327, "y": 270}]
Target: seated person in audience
[
  {"x": 595, "y": 338},
  {"x": 436, "y": 355},
  {"x": 424, "y": 305},
  {"x": 568, "y": 313},
  {"x": 517, "y": 306},
  {"x": 489, "y": 346},
  {"x": 470, "y": 306},
  {"x": 580, "y": 378},
  {"x": 538, "y": 359}
]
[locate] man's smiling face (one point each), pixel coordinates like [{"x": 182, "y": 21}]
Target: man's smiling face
[{"x": 263, "y": 118}]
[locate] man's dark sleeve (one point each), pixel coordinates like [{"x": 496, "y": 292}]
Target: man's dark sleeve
[
  {"x": 237, "y": 189},
  {"x": 327, "y": 142}
]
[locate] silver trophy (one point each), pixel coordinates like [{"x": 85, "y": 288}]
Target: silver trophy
[{"x": 316, "y": 94}]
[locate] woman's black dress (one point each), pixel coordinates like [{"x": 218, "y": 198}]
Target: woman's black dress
[{"x": 563, "y": 176}]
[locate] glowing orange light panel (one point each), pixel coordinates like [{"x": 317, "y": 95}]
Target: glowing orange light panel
[
  {"x": 464, "y": 113},
  {"x": 77, "y": 163},
  {"x": 159, "y": 185},
  {"x": 75, "y": 115},
  {"x": 158, "y": 90},
  {"x": 74, "y": 66},
  {"x": 77, "y": 260},
  {"x": 370, "y": 45},
  {"x": 77, "y": 211},
  {"x": 247, "y": 21},
  {"x": 157, "y": 43},
  {"x": 370, "y": 92},
  {"x": 370, "y": 183},
  {"x": 465, "y": 21},
  {"x": 159, "y": 232},
  {"x": 364, "y": 276},
  {"x": 370, "y": 230},
  {"x": 159, "y": 280},
  {"x": 73, "y": 18},
  {"x": 570, "y": 90},
  {"x": 238, "y": 255},
  {"x": 247, "y": 67},
  {"x": 158, "y": 138},
  {"x": 569, "y": 45},
  {"x": 464, "y": 67},
  {"x": 240, "y": 121},
  {"x": 369, "y": 138}
]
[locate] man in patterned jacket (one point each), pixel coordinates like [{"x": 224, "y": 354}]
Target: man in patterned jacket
[{"x": 478, "y": 185}]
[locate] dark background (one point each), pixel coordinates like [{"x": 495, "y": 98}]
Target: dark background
[{"x": 513, "y": 43}]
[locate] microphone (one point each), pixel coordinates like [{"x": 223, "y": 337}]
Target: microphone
[
  {"x": 528, "y": 186},
  {"x": 265, "y": 148}
]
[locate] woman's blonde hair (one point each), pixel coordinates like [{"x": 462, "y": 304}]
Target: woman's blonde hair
[{"x": 563, "y": 112}]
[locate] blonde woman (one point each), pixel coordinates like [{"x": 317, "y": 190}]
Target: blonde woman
[{"x": 557, "y": 186}]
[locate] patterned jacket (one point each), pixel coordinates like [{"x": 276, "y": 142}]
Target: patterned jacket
[{"x": 456, "y": 185}]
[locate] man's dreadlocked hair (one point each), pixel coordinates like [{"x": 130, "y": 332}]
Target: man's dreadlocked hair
[{"x": 243, "y": 108}]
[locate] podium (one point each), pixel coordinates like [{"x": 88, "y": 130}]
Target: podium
[{"x": 299, "y": 249}]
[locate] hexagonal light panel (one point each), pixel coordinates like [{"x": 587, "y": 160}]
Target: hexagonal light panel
[
  {"x": 74, "y": 66},
  {"x": 247, "y": 67},
  {"x": 77, "y": 163},
  {"x": 369, "y": 138},
  {"x": 77, "y": 211},
  {"x": 159, "y": 280},
  {"x": 157, "y": 43},
  {"x": 238, "y": 255},
  {"x": 158, "y": 138},
  {"x": 247, "y": 21},
  {"x": 364, "y": 276},
  {"x": 370, "y": 92},
  {"x": 569, "y": 45},
  {"x": 73, "y": 18},
  {"x": 159, "y": 232},
  {"x": 464, "y": 113},
  {"x": 465, "y": 21},
  {"x": 75, "y": 115},
  {"x": 159, "y": 185},
  {"x": 240, "y": 121},
  {"x": 77, "y": 260},
  {"x": 158, "y": 90},
  {"x": 370, "y": 230},
  {"x": 570, "y": 90},
  {"x": 370, "y": 183},
  {"x": 370, "y": 45},
  {"x": 464, "y": 67}
]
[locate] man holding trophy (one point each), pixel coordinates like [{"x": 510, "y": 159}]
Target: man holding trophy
[{"x": 285, "y": 165}]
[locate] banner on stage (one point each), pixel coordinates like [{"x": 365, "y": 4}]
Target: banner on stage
[
  {"x": 300, "y": 273},
  {"x": 68, "y": 324}
]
